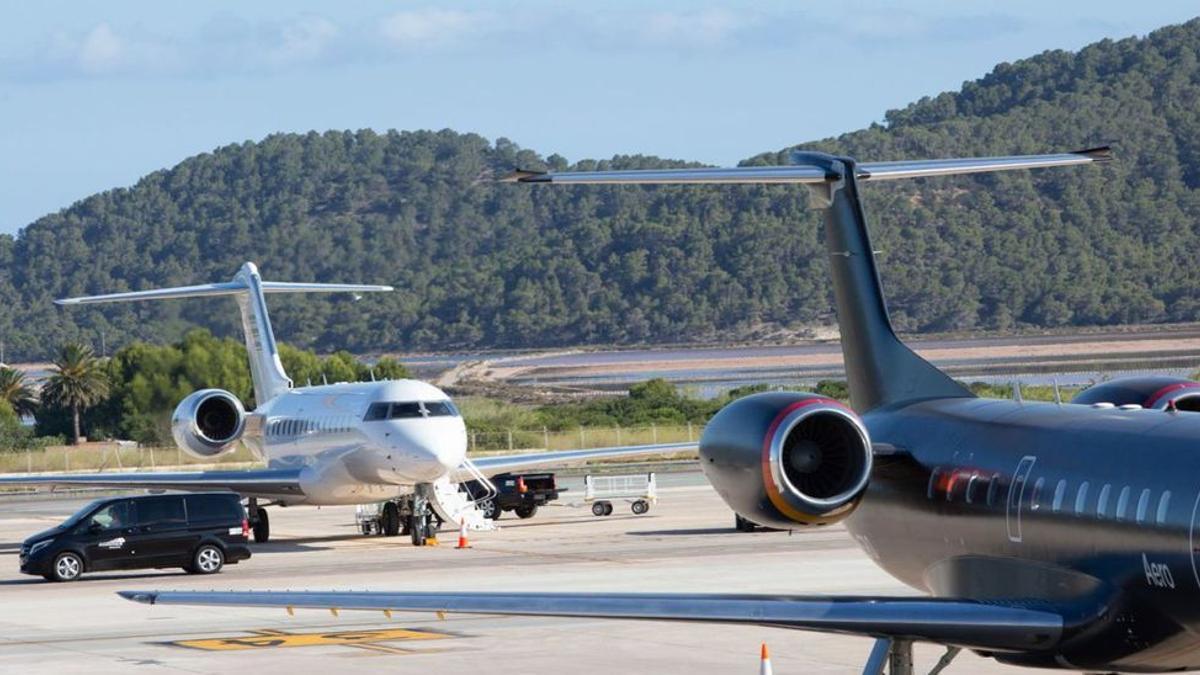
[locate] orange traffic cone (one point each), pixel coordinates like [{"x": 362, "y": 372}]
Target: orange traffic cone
[
  {"x": 764, "y": 667},
  {"x": 462, "y": 535}
]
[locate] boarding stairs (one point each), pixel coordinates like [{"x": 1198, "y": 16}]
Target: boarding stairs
[{"x": 455, "y": 505}]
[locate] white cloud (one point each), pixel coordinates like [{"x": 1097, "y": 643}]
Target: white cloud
[
  {"x": 304, "y": 40},
  {"x": 703, "y": 28},
  {"x": 100, "y": 50},
  {"x": 433, "y": 27}
]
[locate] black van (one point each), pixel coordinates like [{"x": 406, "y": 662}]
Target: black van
[{"x": 198, "y": 532}]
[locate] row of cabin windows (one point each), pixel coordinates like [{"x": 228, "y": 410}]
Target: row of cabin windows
[
  {"x": 296, "y": 427},
  {"x": 1123, "y": 507},
  {"x": 409, "y": 409}
]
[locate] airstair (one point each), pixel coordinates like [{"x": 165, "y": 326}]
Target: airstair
[{"x": 455, "y": 505}]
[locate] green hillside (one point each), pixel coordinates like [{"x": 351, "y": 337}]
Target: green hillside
[{"x": 485, "y": 265}]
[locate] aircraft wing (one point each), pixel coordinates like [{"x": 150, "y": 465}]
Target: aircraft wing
[
  {"x": 495, "y": 464},
  {"x": 265, "y": 483},
  {"x": 946, "y": 621}
]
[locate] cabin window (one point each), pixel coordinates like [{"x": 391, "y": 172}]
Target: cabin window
[
  {"x": 1036, "y": 500},
  {"x": 933, "y": 481},
  {"x": 1060, "y": 491},
  {"x": 1143, "y": 505},
  {"x": 1163, "y": 502},
  {"x": 970, "y": 491},
  {"x": 1102, "y": 502},
  {"x": 1081, "y": 498},
  {"x": 1123, "y": 503},
  {"x": 993, "y": 489}
]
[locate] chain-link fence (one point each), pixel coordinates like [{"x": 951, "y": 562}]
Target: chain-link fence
[{"x": 579, "y": 438}]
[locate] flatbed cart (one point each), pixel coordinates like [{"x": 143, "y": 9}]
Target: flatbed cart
[{"x": 639, "y": 490}]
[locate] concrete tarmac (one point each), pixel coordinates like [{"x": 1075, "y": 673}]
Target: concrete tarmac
[{"x": 685, "y": 544}]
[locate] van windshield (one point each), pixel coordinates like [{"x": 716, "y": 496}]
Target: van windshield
[{"x": 79, "y": 515}]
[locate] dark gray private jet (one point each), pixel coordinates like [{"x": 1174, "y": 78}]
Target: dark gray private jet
[{"x": 1051, "y": 535}]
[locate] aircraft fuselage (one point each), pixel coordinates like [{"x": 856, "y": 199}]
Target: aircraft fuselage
[{"x": 991, "y": 499}]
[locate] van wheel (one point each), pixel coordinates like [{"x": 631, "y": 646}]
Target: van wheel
[
  {"x": 67, "y": 567},
  {"x": 262, "y": 527},
  {"x": 491, "y": 510},
  {"x": 209, "y": 559}
]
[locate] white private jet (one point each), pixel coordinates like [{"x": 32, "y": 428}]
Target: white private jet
[{"x": 399, "y": 442}]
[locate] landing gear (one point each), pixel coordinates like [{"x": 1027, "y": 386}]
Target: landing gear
[
  {"x": 422, "y": 523},
  {"x": 897, "y": 655},
  {"x": 259, "y": 522},
  {"x": 390, "y": 519}
]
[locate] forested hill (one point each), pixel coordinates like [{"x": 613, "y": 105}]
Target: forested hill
[{"x": 485, "y": 265}]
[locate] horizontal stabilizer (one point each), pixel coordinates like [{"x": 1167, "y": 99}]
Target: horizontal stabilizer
[
  {"x": 223, "y": 288},
  {"x": 809, "y": 173}
]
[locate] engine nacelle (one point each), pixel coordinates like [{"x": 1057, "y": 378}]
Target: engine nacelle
[
  {"x": 784, "y": 459},
  {"x": 208, "y": 423},
  {"x": 1154, "y": 392}
]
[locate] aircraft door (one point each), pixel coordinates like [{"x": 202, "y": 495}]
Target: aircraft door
[{"x": 1016, "y": 497}]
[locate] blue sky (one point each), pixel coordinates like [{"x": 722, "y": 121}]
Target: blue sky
[{"x": 95, "y": 95}]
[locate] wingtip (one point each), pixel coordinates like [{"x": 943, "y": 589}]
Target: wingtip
[
  {"x": 523, "y": 176},
  {"x": 144, "y": 597},
  {"x": 1100, "y": 153}
]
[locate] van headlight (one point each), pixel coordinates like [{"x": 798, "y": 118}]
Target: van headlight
[{"x": 39, "y": 546}]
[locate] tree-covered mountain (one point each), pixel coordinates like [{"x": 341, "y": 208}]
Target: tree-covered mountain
[{"x": 479, "y": 264}]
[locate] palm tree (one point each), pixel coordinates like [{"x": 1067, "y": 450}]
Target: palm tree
[
  {"x": 16, "y": 392},
  {"x": 76, "y": 381}
]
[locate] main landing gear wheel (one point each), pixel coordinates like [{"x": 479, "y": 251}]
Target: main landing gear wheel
[
  {"x": 639, "y": 507},
  {"x": 390, "y": 520},
  {"x": 526, "y": 511},
  {"x": 67, "y": 567},
  {"x": 262, "y": 527},
  {"x": 418, "y": 527}
]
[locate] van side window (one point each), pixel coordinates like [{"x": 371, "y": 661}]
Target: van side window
[
  {"x": 160, "y": 510},
  {"x": 212, "y": 507},
  {"x": 115, "y": 516}
]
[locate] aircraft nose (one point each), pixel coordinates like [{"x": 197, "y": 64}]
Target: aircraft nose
[{"x": 429, "y": 460}]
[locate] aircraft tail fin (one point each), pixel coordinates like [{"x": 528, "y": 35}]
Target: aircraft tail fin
[
  {"x": 249, "y": 290},
  {"x": 881, "y": 369}
]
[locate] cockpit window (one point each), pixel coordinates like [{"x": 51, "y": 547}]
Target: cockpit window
[
  {"x": 406, "y": 410},
  {"x": 377, "y": 411},
  {"x": 441, "y": 409},
  {"x": 410, "y": 410}
]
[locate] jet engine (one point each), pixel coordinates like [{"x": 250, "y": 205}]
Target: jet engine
[
  {"x": 208, "y": 423},
  {"x": 785, "y": 459},
  {"x": 1154, "y": 392}
]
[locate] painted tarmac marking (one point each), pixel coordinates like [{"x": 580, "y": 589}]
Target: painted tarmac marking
[{"x": 267, "y": 639}]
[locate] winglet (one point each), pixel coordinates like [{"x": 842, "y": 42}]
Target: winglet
[
  {"x": 1102, "y": 153},
  {"x": 144, "y": 597},
  {"x": 523, "y": 176}
]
